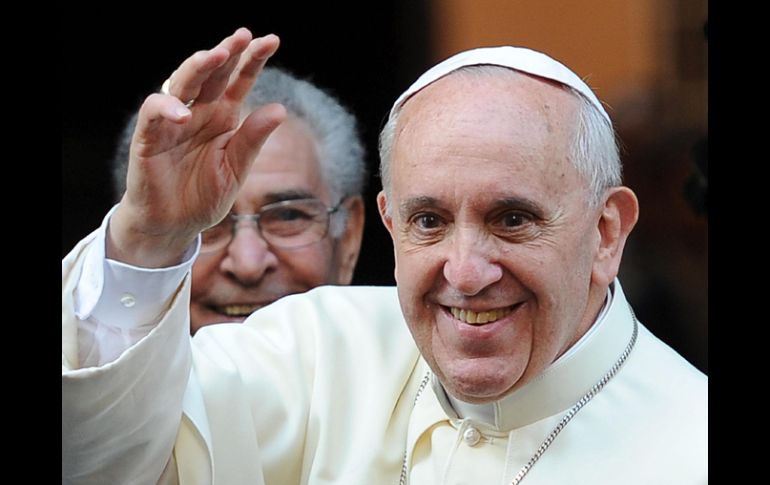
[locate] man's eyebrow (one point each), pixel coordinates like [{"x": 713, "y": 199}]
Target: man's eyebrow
[
  {"x": 272, "y": 197},
  {"x": 414, "y": 204},
  {"x": 521, "y": 203}
]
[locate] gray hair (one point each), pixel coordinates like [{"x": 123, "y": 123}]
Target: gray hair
[
  {"x": 341, "y": 151},
  {"x": 594, "y": 150}
]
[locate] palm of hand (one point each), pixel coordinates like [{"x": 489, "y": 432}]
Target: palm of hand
[
  {"x": 182, "y": 173},
  {"x": 185, "y": 167}
]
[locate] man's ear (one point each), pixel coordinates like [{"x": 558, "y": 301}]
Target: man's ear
[
  {"x": 349, "y": 245},
  {"x": 382, "y": 204},
  {"x": 387, "y": 221},
  {"x": 618, "y": 217}
]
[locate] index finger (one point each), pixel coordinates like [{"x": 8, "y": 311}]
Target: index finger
[
  {"x": 251, "y": 63},
  {"x": 203, "y": 75}
]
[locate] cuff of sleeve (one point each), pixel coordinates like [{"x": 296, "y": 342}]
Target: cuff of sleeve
[{"x": 126, "y": 296}]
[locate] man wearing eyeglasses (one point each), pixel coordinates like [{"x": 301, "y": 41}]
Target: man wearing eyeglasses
[{"x": 298, "y": 219}]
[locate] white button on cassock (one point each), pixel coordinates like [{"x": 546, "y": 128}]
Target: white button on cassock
[
  {"x": 471, "y": 436},
  {"x": 127, "y": 300}
]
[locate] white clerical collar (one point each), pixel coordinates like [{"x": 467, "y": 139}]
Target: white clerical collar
[{"x": 563, "y": 382}]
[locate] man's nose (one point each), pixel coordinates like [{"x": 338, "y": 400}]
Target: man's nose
[
  {"x": 249, "y": 257},
  {"x": 471, "y": 264}
]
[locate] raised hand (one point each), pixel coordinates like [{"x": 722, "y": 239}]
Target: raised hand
[{"x": 190, "y": 152}]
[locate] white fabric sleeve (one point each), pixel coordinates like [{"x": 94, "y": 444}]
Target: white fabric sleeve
[
  {"x": 120, "y": 420},
  {"x": 118, "y": 304}
]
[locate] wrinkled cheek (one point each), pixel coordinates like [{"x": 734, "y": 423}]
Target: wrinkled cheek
[
  {"x": 409, "y": 307},
  {"x": 415, "y": 315},
  {"x": 420, "y": 271},
  {"x": 401, "y": 267}
]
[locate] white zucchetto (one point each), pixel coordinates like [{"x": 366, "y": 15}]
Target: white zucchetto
[{"x": 518, "y": 58}]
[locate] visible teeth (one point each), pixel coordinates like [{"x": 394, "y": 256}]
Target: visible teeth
[
  {"x": 470, "y": 316},
  {"x": 474, "y": 318},
  {"x": 239, "y": 310}
]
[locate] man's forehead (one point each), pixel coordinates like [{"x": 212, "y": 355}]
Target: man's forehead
[
  {"x": 517, "y": 58},
  {"x": 489, "y": 92}
]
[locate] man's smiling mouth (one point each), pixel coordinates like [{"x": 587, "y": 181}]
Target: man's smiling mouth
[
  {"x": 240, "y": 310},
  {"x": 479, "y": 318}
]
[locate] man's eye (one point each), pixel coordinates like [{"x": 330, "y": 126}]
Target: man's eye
[
  {"x": 515, "y": 225},
  {"x": 514, "y": 219},
  {"x": 425, "y": 228},
  {"x": 427, "y": 221},
  {"x": 218, "y": 231},
  {"x": 288, "y": 215}
]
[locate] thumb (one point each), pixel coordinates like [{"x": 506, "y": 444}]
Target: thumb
[{"x": 248, "y": 140}]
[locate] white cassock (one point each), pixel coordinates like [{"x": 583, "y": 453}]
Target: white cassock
[{"x": 322, "y": 388}]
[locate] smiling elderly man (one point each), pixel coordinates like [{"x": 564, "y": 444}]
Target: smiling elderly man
[
  {"x": 508, "y": 351},
  {"x": 298, "y": 219}
]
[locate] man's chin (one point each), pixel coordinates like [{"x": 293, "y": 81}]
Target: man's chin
[
  {"x": 229, "y": 319},
  {"x": 214, "y": 314},
  {"x": 204, "y": 319},
  {"x": 479, "y": 384},
  {"x": 225, "y": 319}
]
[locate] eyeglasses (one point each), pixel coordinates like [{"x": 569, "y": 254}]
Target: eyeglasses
[{"x": 287, "y": 224}]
